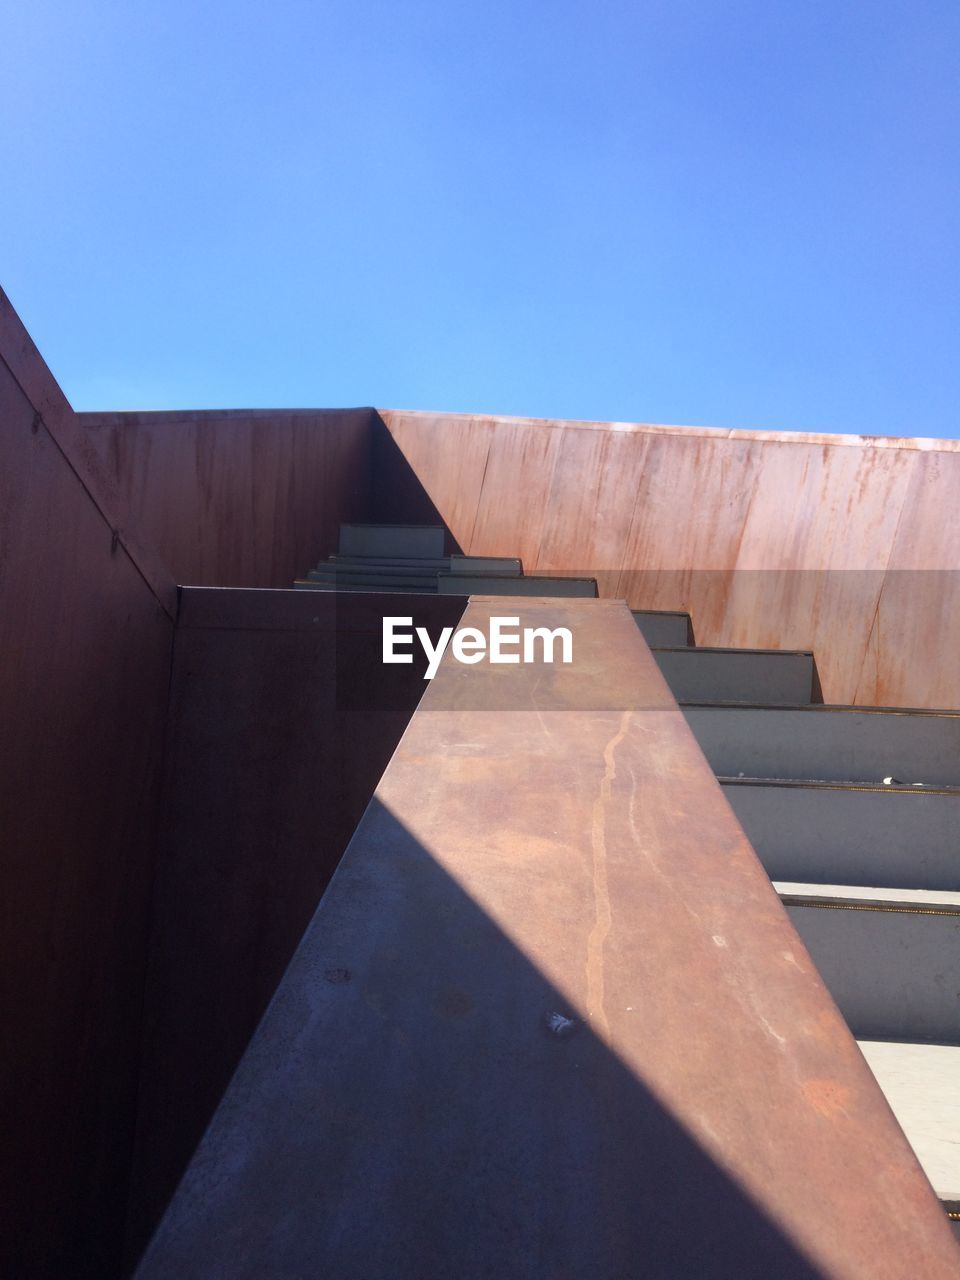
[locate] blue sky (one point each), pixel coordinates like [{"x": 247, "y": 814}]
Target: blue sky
[{"x": 741, "y": 213}]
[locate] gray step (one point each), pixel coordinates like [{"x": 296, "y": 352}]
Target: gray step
[
  {"x": 506, "y": 566},
  {"x": 922, "y": 1085},
  {"x": 464, "y": 584},
  {"x": 663, "y": 628},
  {"x": 830, "y": 744},
  {"x": 890, "y": 957},
  {"x": 421, "y": 541},
  {"x": 374, "y": 580},
  {"x": 776, "y": 677},
  {"x": 435, "y": 564},
  {"x": 836, "y": 834},
  {"x": 384, "y": 588}
]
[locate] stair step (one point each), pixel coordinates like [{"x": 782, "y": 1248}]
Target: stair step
[
  {"x": 506, "y": 566},
  {"x": 391, "y": 588},
  {"x": 820, "y": 743},
  {"x": 920, "y": 1082},
  {"x": 774, "y": 677},
  {"x": 393, "y": 580},
  {"x": 890, "y": 957},
  {"x": 420, "y": 541},
  {"x": 663, "y": 628},
  {"x": 362, "y": 564},
  {"x": 472, "y": 584},
  {"x": 835, "y": 833}
]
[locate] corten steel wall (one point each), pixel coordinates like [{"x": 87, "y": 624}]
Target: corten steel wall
[
  {"x": 844, "y": 544},
  {"x": 551, "y": 841},
  {"x": 282, "y": 719},
  {"x": 238, "y": 498},
  {"x": 85, "y": 645}
]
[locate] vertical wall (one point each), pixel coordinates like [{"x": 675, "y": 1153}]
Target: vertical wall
[
  {"x": 282, "y": 719},
  {"x": 85, "y": 645},
  {"x": 844, "y": 544},
  {"x": 238, "y": 498}
]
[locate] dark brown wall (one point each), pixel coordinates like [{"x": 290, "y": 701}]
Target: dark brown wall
[
  {"x": 282, "y": 719},
  {"x": 85, "y": 645},
  {"x": 238, "y": 498}
]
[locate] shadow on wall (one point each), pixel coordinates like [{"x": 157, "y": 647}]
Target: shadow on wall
[
  {"x": 252, "y": 498},
  {"x": 420, "y": 1101},
  {"x": 282, "y": 720},
  {"x": 396, "y": 494}
]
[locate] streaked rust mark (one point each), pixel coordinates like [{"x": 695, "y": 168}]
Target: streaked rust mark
[{"x": 596, "y": 1010}]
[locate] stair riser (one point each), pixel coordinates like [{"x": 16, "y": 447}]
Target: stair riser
[
  {"x": 775, "y": 679},
  {"x": 883, "y": 838},
  {"x": 894, "y": 974},
  {"x": 391, "y": 540},
  {"x": 663, "y": 630},
  {"x": 829, "y": 745},
  {"x": 458, "y": 585}
]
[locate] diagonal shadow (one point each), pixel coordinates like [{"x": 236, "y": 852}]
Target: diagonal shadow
[
  {"x": 405, "y": 1111},
  {"x": 397, "y": 496}
]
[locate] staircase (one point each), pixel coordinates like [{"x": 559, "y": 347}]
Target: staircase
[
  {"x": 411, "y": 558},
  {"x": 853, "y": 811},
  {"x": 855, "y": 814}
]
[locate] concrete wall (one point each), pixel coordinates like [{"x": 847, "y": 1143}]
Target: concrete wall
[
  {"x": 844, "y": 544},
  {"x": 85, "y": 646},
  {"x": 238, "y": 498}
]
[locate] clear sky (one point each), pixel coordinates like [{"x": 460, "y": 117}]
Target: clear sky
[{"x": 722, "y": 212}]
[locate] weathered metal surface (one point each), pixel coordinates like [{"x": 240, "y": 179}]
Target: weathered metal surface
[
  {"x": 282, "y": 719},
  {"x": 57, "y": 419},
  {"x": 238, "y": 498},
  {"x": 550, "y": 1019},
  {"x": 84, "y": 666},
  {"x": 844, "y": 545}
]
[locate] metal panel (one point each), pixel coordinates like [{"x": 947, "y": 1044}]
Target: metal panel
[
  {"x": 831, "y": 744},
  {"x": 464, "y": 584},
  {"x": 282, "y": 719},
  {"x": 771, "y": 676},
  {"x": 503, "y": 565},
  {"x": 892, "y": 965},
  {"x": 84, "y": 665},
  {"x": 551, "y": 1019},
  {"x": 663, "y": 628},
  {"x": 246, "y": 498},
  {"x": 845, "y": 545},
  {"x": 392, "y": 540},
  {"x": 899, "y": 837}
]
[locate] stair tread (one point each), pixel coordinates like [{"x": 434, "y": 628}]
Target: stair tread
[
  {"x": 816, "y": 784},
  {"x": 834, "y": 708},
  {"x": 920, "y": 1081},
  {"x": 708, "y": 649},
  {"x": 845, "y": 893}
]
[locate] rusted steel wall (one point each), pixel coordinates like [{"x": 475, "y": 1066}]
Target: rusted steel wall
[
  {"x": 847, "y": 545},
  {"x": 551, "y": 1019},
  {"x": 238, "y": 498},
  {"x": 282, "y": 719},
  {"x": 85, "y": 647}
]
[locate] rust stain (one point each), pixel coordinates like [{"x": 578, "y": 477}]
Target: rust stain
[
  {"x": 601, "y": 890},
  {"x": 828, "y": 1098}
]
